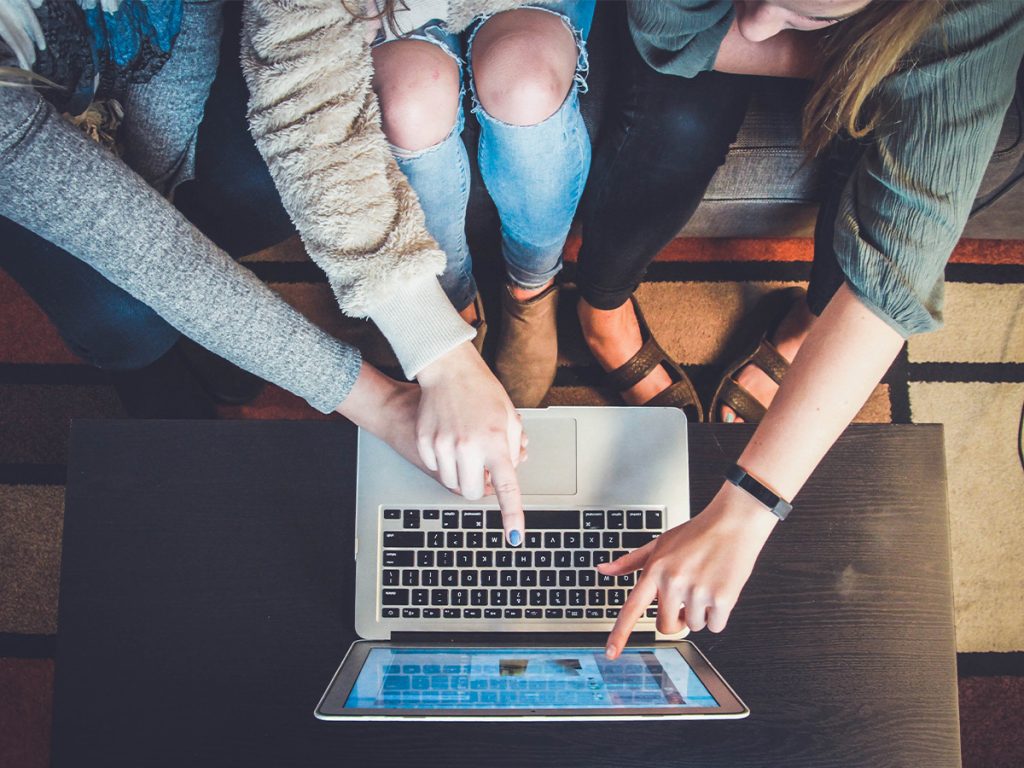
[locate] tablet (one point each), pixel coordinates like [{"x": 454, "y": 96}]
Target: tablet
[{"x": 505, "y": 681}]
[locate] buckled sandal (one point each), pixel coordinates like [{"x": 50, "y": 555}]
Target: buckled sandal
[
  {"x": 764, "y": 355},
  {"x": 679, "y": 394}
]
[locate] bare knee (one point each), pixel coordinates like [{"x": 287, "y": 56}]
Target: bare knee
[
  {"x": 417, "y": 85},
  {"x": 524, "y": 63}
]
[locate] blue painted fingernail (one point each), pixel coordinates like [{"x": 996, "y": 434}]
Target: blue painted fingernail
[
  {"x": 730, "y": 418},
  {"x": 515, "y": 538}
]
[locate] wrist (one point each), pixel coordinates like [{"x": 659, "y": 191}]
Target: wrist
[
  {"x": 736, "y": 508},
  {"x": 369, "y": 401},
  {"x": 451, "y": 365}
]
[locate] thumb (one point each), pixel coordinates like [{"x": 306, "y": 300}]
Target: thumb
[{"x": 630, "y": 562}]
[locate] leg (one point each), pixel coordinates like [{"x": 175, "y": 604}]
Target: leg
[
  {"x": 418, "y": 87},
  {"x": 656, "y": 159}
]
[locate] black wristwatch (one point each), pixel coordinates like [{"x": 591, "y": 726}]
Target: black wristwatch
[{"x": 739, "y": 477}]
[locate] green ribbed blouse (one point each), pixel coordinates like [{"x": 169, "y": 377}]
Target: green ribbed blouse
[{"x": 908, "y": 200}]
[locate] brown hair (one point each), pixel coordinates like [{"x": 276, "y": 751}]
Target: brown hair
[
  {"x": 386, "y": 12},
  {"x": 858, "y": 54}
]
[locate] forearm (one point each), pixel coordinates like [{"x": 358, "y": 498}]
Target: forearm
[
  {"x": 83, "y": 199},
  {"x": 847, "y": 351}
]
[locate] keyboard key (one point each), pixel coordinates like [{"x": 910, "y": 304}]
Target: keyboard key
[
  {"x": 567, "y": 578},
  {"x": 461, "y": 597},
  {"x": 553, "y": 519},
  {"x": 610, "y": 540},
  {"x": 601, "y": 556},
  {"x": 587, "y": 578},
  {"x": 577, "y": 597},
  {"x": 410, "y": 578},
  {"x": 421, "y": 597},
  {"x": 499, "y": 597},
  {"x": 616, "y": 519},
  {"x": 471, "y": 613},
  {"x": 533, "y": 540},
  {"x": 430, "y": 577},
  {"x": 538, "y": 597},
  {"x": 627, "y": 580},
  {"x": 454, "y": 540},
  {"x": 450, "y": 518},
  {"x": 595, "y": 613},
  {"x": 473, "y": 519},
  {"x": 431, "y": 514},
  {"x": 475, "y": 539},
  {"x": 593, "y": 520},
  {"x": 411, "y": 518},
  {"x": 517, "y": 597},
  {"x": 410, "y": 613},
  {"x": 502, "y": 559},
  {"x": 431, "y": 613},
  {"x": 513, "y": 613},
  {"x": 484, "y": 559},
  {"x": 390, "y": 613},
  {"x": 435, "y": 539},
  {"x": 494, "y": 540},
  {"x": 652, "y": 612},
  {"x": 398, "y": 558},
  {"x": 390, "y": 578},
  {"x": 403, "y": 539},
  {"x": 452, "y": 613},
  {"x": 552, "y": 540},
  {"x": 652, "y": 517},
  {"x": 478, "y": 597},
  {"x": 557, "y": 597},
  {"x": 634, "y": 540},
  {"x": 449, "y": 578},
  {"x": 591, "y": 539},
  {"x": 563, "y": 559},
  {"x": 534, "y": 613},
  {"x": 464, "y": 559},
  {"x": 603, "y": 580},
  {"x": 551, "y": 613},
  {"x": 548, "y": 578},
  {"x": 635, "y": 518},
  {"x": 425, "y": 558},
  {"x": 581, "y": 559},
  {"x": 571, "y": 540},
  {"x": 528, "y": 578},
  {"x": 392, "y": 514},
  {"x": 492, "y": 613},
  {"x": 445, "y": 559},
  {"x": 542, "y": 559},
  {"x": 439, "y": 597},
  {"x": 595, "y": 597},
  {"x": 616, "y": 596},
  {"x": 612, "y": 613},
  {"x": 469, "y": 578},
  {"x": 488, "y": 578},
  {"x": 524, "y": 559},
  {"x": 492, "y": 517},
  {"x": 574, "y": 613},
  {"x": 394, "y": 597},
  {"x": 509, "y": 578}
]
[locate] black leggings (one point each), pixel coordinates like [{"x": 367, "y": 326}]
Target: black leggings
[{"x": 662, "y": 140}]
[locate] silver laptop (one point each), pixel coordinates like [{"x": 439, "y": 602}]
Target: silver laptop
[{"x": 432, "y": 566}]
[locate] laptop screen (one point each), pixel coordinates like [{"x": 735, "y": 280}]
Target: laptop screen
[{"x": 522, "y": 678}]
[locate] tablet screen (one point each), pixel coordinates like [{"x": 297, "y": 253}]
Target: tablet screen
[{"x": 522, "y": 678}]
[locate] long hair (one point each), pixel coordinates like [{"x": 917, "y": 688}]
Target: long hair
[
  {"x": 858, "y": 54},
  {"x": 385, "y": 14}
]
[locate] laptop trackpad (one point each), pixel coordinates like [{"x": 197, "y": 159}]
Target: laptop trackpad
[{"x": 551, "y": 468}]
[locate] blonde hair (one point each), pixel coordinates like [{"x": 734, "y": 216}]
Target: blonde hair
[{"x": 858, "y": 54}]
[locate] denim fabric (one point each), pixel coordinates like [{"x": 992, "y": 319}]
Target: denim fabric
[{"x": 535, "y": 174}]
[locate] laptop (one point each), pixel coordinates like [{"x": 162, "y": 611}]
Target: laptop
[{"x": 457, "y": 624}]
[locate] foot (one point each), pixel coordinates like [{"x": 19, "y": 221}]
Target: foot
[
  {"x": 527, "y": 354},
  {"x": 613, "y": 336},
  {"x": 788, "y": 337}
]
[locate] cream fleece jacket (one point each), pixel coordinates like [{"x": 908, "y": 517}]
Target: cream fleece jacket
[{"x": 316, "y": 121}]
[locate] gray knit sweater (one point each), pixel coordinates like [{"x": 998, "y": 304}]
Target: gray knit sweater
[{"x": 315, "y": 119}]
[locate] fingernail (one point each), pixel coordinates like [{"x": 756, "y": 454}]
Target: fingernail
[
  {"x": 730, "y": 418},
  {"x": 609, "y": 651},
  {"x": 515, "y": 538}
]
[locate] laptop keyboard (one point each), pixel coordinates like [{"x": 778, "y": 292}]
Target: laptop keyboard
[{"x": 455, "y": 563}]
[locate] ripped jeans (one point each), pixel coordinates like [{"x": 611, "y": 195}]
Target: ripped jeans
[{"x": 535, "y": 174}]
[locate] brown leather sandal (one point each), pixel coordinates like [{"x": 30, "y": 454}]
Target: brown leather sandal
[
  {"x": 764, "y": 355},
  {"x": 680, "y": 394}
]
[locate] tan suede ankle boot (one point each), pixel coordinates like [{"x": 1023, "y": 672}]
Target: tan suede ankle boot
[{"x": 527, "y": 353}]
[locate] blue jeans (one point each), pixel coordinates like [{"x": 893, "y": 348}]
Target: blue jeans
[
  {"x": 233, "y": 199},
  {"x": 535, "y": 174}
]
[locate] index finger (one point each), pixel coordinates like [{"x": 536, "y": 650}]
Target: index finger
[
  {"x": 506, "y": 488},
  {"x": 639, "y": 598}
]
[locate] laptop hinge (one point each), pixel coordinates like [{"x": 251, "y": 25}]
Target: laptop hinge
[{"x": 517, "y": 638}]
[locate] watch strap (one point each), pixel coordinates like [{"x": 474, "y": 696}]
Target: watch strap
[{"x": 739, "y": 477}]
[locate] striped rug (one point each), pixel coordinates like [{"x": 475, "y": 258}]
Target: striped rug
[{"x": 969, "y": 376}]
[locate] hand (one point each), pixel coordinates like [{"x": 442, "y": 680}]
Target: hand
[
  {"x": 468, "y": 431},
  {"x": 696, "y": 570}
]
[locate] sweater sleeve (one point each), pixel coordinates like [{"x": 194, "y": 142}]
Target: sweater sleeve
[
  {"x": 80, "y": 197},
  {"x": 679, "y": 37},
  {"x": 908, "y": 200},
  {"x": 316, "y": 121}
]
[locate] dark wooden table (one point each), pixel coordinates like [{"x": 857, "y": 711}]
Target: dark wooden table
[{"x": 206, "y": 599}]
